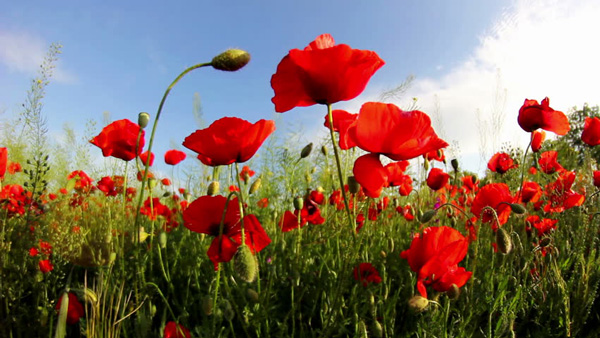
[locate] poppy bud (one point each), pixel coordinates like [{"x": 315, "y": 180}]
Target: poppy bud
[
  {"x": 152, "y": 182},
  {"x": 207, "y": 306},
  {"x": 418, "y": 304},
  {"x": 143, "y": 119},
  {"x": 517, "y": 208},
  {"x": 376, "y": 329},
  {"x": 426, "y": 164},
  {"x": 162, "y": 240},
  {"x": 244, "y": 264},
  {"x": 362, "y": 330},
  {"x": 320, "y": 189},
  {"x": 252, "y": 295},
  {"x": 231, "y": 60},
  {"x": 503, "y": 241},
  {"x": 427, "y": 216},
  {"x": 255, "y": 186},
  {"x": 213, "y": 188},
  {"x": 324, "y": 150},
  {"x": 353, "y": 185},
  {"x": 298, "y": 203},
  {"x": 143, "y": 235},
  {"x": 454, "y": 292},
  {"x": 307, "y": 177},
  {"x": 306, "y": 150},
  {"x": 454, "y": 163},
  {"x": 227, "y": 310},
  {"x": 544, "y": 242},
  {"x": 152, "y": 310}
]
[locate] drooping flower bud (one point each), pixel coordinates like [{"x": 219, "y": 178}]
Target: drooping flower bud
[
  {"x": 244, "y": 264},
  {"x": 252, "y": 295},
  {"x": 231, "y": 60},
  {"x": 503, "y": 241},
  {"x": 306, "y": 150},
  {"x": 517, "y": 208},
  {"x": 427, "y": 216},
  {"x": 454, "y": 163},
  {"x": 353, "y": 185},
  {"x": 454, "y": 292},
  {"x": 418, "y": 304}
]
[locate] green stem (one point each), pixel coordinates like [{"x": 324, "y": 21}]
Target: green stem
[{"x": 523, "y": 167}]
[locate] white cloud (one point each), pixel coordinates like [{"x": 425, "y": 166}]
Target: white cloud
[
  {"x": 537, "y": 49},
  {"x": 23, "y": 52}
]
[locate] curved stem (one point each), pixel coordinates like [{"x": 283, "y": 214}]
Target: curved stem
[
  {"x": 523, "y": 167},
  {"x": 339, "y": 168}
]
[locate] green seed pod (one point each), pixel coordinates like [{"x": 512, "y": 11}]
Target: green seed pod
[
  {"x": 427, "y": 216},
  {"x": 213, "y": 188},
  {"x": 152, "y": 183},
  {"x": 245, "y": 264},
  {"x": 298, "y": 203},
  {"x": 162, "y": 240},
  {"x": 252, "y": 295},
  {"x": 231, "y": 60},
  {"x": 503, "y": 241},
  {"x": 306, "y": 150},
  {"x": 418, "y": 304},
  {"x": 255, "y": 186},
  {"x": 324, "y": 150},
  {"x": 518, "y": 208},
  {"x": 143, "y": 119},
  {"x": 454, "y": 292},
  {"x": 353, "y": 185}
]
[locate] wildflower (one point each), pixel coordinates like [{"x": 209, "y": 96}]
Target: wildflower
[
  {"x": 596, "y": 178},
  {"x": 437, "y": 155},
  {"x": 174, "y": 330},
  {"x": 33, "y": 252},
  {"x": 366, "y": 273},
  {"x": 45, "y": 266},
  {"x": 82, "y": 182},
  {"x": 75, "y": 310},
  {"x": 370, "y": 174},
  {"x": 107, "y": 186},
  {"x": 263, "y": 203},
  {"x": 549, "y": 162},
  {"x": 537, "y": 138},
  {"x": 437, "y": 179},
  {"x": 533, "y": 116},
  {"x": 173, "y": 156},
  {"x": 341, "y": 122},
  {"x": 144, "y": 158},
  {"x": 501, "y": 163},
  {"x": 322, "y": 73},
  {"x": 559, "y": 194},
  {"x": 246, "y": 173},
  {"x": 434, "y": 256},
  {"x": 495, "y": 196},
  {"x": 3, "y": 161},
  {"x": 119, "y": 139},
  {"x": 229, "y": 140},
  {"x": 591, "y": 131},
  {"x": 531, "y": 192}
]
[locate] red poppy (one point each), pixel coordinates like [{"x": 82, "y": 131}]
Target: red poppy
[
  {"x": 246, "y": 173},
  {"x": 591, "y": 131},
  {"x": 33, "y": 252},
  {"x": 144, "y": 158},
  {"x": 341, "y": 122},
  {"x": 597, "y": 178},
  {"x": 370, "y": 174},
  {"x": 107, "y": 186},
  {"x": 405, "y": 186},
  {"x": 82, "y": 182},
  {"x": 437, "y": 179},
  {"x": 531, "y": 192},
  {"x": 406, "y": 211},
  {"x": 229, "y": 140},
  {"x": 322, "y": 73},
  {"x": 174, "y": 156},
  {"x": 3, "y": 161},
  {"x": 310, "y": 213},
  {"x": 119, "y": 139},
  {"x": 496, "y": 196},
  {"x": 437, "y": 155},
  {"x": 559, "y": 194},
  {"x": 533, "y": 116},
  {"x": 174, "y": 330},
  {"x": 400, "y": 135},
  {"x": 549, "y": 162},
  {"x": 14, "y": 198},
  {"x": 45, "y": 266},
  {"x": 75, "y": 309},
  {"x": 166, "y": 182},
  {"x": 470, "y": 184},
  {"x": 543, "y": 226},
  {"x": 366, "y": 273},
  {"x": 501, "y": 163},
  {"x": 263, "y": 203},
  {"x": 537, "y": 138},
  {"x": 396, "y": 172},
  {"x": 435, "y": 255},
  {"x": 204, "y": 216}
]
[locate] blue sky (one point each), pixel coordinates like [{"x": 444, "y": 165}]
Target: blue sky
[{"x": 468, "y": 57}]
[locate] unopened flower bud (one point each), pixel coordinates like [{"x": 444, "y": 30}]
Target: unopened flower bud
[
  {"x": 244, "y": 264},
  {"x": 143, "y": 119},
  {"x": 376, "y": 329},
  {"x": 353, "y": 185},
  {"x": 213, "y": 188},
  {"x": 426, "y": 164},
  {"x": 427, "y": 216},
  {"x": 454, "y": 163},
  {"x": 503, "y": 241},
  {"x": 418, "y": 304},
  {"x": 207, "y": 306},
  {"x": 298, "y": 203},
  {"x": 544, "y": 242},
  {"x": 324, "y": 150},
  {"x": 306, "y": 150},
  {"x": 252, "y": 295},
  {"x": 517, "y": 208},
  {"x": 255, "y": 186},
  {"x": 454, "y": 292},
  {"x": 231, "y": 60},
  {"x": 162, "y": 240}
]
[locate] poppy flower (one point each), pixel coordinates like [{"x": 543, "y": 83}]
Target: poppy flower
[
  {"x": 437, "y": 179},
  {"x": 549, "y": 162},
  {"x": 405, "y": 187},
  {"x": 322, "y": 73},
  {"x": 437, "y": 155},
  {"x": 75, "y": 309},
  {"x": 82, "y": 183},
  {"x": 174, "y": 330},
  {"x": 366, "y": 273},
  {"x": 341, "y": 122},
  {"x": 400, "y": 135},
  {"x": 204, "y": 216},
  {"x": 434, "y": 256},
  {"x": 144, "y": 158},
  {"x": 3, "y": 161},
  {"x": 537, "y": 138},
  {"x": 591, "y": 131},
  {"x": 596, "y": 178},
  {"x": 173, "y": 156},
  {"x": 396, "y": 172},
  {"x": 246, "y": 173},
  {"x": 45, "y": 266},
  {"x": 107, "y": 186},
  {"x": 531, "y": 192},
  {"x": 229, "y": 140},
  {"x": 496, "y": 196},
  {"x": 533, "y": 116},
  {"x": 559, "y": 194},
  {"x": 501, "y": 163},
  {"x": 370, "y": 174},
  {"x": 543, "y": 226},
  {"x": 119, "y": 139}
]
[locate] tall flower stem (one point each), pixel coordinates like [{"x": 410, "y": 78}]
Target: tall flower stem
[
  {"x": 150, "y": 143},
  {"x": 339, "y": 168},
  {"x": 523, "y": 166}
]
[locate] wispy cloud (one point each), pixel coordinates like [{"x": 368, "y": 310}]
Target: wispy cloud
[
  {"x": 23, "y": 52},
  {"x": 536, "y": 49}
]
